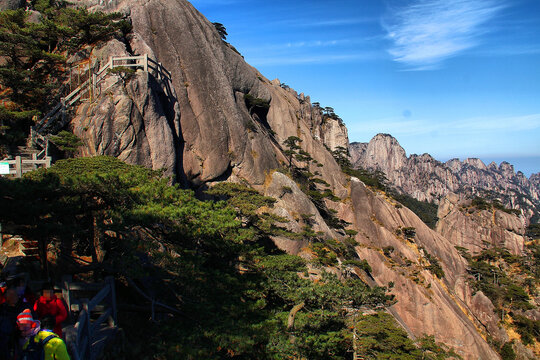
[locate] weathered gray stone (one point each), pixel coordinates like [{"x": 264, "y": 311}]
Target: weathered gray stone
[
  {"x": 133, "y": 123},
  {"x": 426, "y": 304},
  {"x": 12, "y": 4},
  {"x": 427, "y": 179},
  {"x": 479, "y": 229}
]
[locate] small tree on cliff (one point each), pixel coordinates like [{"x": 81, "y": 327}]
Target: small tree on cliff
[
  {"x": 341, "y": 155},
  {"x": 67, "y": 142},
  {"x": 291, "y": 143},
  {"x": 221, "y": 30}
]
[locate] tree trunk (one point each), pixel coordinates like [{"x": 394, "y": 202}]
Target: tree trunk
[
  {"x": 97, "y": 254},
  {"x": 290, "y": 321}
]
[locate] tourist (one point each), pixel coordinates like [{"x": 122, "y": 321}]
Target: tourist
[
  {"x": 8, "y": 323},
  {"x": 49, "y": 304},
  {"x": 37, "y": 340}
]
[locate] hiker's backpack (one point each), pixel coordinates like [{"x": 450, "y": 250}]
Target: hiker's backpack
[{"x": 36, "y": 350}]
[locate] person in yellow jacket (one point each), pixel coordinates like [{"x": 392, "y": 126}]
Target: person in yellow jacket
[{"x": 35, "y": 339}]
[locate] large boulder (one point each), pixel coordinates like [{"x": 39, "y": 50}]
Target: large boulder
[{"x": 12, "y": 4}]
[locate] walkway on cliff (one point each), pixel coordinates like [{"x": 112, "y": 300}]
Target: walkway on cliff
[{"x": 91, "y": 89}]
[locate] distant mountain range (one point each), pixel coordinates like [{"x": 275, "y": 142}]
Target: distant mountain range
[{"x": 427, "y": 179}]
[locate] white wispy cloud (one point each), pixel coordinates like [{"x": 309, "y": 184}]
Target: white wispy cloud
[
  {"x": 479, "y": 125},
  {"x": 427, "y": 32}
]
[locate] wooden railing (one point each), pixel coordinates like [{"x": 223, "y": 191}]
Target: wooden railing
[
  {"x": 49, "y": 124},
  {"x": 19, "y": 165},
  {"x": 84, "y": 345}
]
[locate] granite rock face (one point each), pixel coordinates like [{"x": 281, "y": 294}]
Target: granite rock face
[
  {"x": 425, "y": 304},
  {"x": 221, "y": 134},
  {"x": 478, "y": 230},
  {"x": 203, "y": 127},
  {"x": 427, "y": 179}
]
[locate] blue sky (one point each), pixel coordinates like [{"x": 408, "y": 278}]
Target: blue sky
[{"x": 454, "y": 78}]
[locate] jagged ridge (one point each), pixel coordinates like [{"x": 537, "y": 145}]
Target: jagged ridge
[{"x": 426, "y": 179}]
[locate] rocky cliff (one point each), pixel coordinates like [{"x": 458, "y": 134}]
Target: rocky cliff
[
  {"x": 476, "y": 229},
  {"x": 219, "y": 119},
  {"x": 427, "y": 179}
]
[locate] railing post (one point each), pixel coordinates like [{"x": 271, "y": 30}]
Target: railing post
[
  {"x": 32, "y": 135},
  {"x": 49, "y": 160},
  {"x": 86, "y": 333},
  {"x": 145, "y": 65},
  {"x": 111, "y": 61},
  {"x": 66, "y": 292},
  {"x": 18, "y": 167},
  {"x": 112, "y": 294}
]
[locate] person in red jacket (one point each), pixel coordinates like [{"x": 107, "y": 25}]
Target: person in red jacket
[
  {"x": 49, "y": 304},
  {"x": 2, "y": 292}
]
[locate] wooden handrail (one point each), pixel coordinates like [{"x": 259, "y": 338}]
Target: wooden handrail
[
  {"x": 49, "y": 122},
  {"x": 17, "y": 167}
]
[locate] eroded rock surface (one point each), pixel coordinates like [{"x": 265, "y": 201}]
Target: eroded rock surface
[
  {"x": 204, "y": 128},
  {"x": 478, "y": 230},
  {"x": 426, "y": 304},
  {"x": 427, "y": 179},
  {"x": 11, "y": 4}
]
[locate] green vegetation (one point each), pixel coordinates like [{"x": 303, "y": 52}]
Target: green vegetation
[
  {"x": 510, "y": 282},
  {"x": 407, "y": 232},
  {"x": 426, "y": 211},
  {"x": 381, "y": 338},
  {"x": 507, "y": 352},
  {"x": 314, "y": 187},
  {"x": 66, "y": 142},
  {"x": 234, "y": 293},
  {"x": 484, "y": 204},
  {"x": 222, "y": 31},
  {"x": 533, "y": 231},
  {"x": 528, "y": 329},
  {"x": 434, "y": 266},
  {"x": 34, "y": 54},
  {"x": 124, "y": 72}
]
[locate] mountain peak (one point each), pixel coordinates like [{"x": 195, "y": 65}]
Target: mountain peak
[
  {"x": 427, "y": 179},
  {"x": 384, "y": 153}
]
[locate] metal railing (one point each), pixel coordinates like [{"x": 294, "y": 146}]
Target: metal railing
[{"x": 104, "y": 301}]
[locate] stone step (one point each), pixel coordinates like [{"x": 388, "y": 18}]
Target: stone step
[
  {"x": 29, "y": 244},
  {"x": 31, "y": 251}
]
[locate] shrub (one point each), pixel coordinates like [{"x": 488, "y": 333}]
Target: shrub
[
  {"x": 507, "y": 352},
  {"x": 409, "y": 232},
  {"x": 388, "y": 250},
  {"x": 528, "y": 329}
]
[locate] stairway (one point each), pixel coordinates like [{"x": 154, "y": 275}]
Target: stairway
[{"x": 30, "y": 248}]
